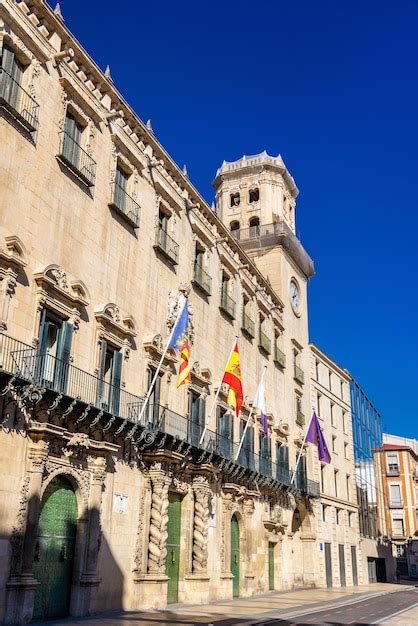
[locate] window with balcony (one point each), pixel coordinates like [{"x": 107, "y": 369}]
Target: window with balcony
[
  {"x": 395, "y": 497},
  {"x": 265, "y": 454},
  {"x": 279, "y": 355},
  {"x": 109, "y": 378},
  {"x": 248, "y": 325},
  {"x": 13, "y": 97},
  {"x": 121, "y": 201},
  {"x": 392, "y": 464},
  {"x": 201, "y": 278},
  {"x": 224, "y": 432},
  {"x": 253, "y": 195},
  {"x": 164, "y": 243},
  {"x": 300, "y": 417},
  {"x": 301, "y": 476},
  {"x": 227, "y": 304},
  {"x": 72, "y": 155},
  {"x": 50, "y": 366},
  {"x": 299, "y": 375},
  {"x": 196, "y": 422},
  {"x": 264, "y": 342},
  {"x": 282, "y": 462},
  {"x": 153, "y": 407}
]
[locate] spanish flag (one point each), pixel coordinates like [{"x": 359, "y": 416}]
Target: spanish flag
[
  {"x": 184, "y": 368},
  {"x": 232, "y": 377}
]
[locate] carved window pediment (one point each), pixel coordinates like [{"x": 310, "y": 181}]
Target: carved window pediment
[
  {"x": 154, "y": 347},
  {"x": 57, "y": 284},
  {"x": 200, "y": 228},
  {"x": 13, "y": 254},
  {"x": 121, "y": 325},
  {"x": 77, "y": 94}
]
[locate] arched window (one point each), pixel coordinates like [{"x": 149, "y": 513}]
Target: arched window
[
  {"x": 235, "y": 199},
  {"x": 254, "y": 226},
  {"x": 234, "y": 228},
  {"x": 254, "y": 195}
]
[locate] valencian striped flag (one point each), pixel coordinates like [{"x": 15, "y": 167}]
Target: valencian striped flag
[
  {"x": 180, "y": 341},
  {"x": 232, "y": 377}
]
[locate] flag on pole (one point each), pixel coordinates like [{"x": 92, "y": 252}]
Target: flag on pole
[
  {"x": 184, "y": 368},
  {"x": 260, "y": 403},
  {"x": 180, "y": 341},
  {"x": 232, "y": 377},
  {"x": 314, "y": 435}
]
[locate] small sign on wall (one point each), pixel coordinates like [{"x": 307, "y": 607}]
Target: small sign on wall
[{"x": 120, "y": 503}]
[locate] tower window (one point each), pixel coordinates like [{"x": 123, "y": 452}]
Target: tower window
[
  {"x": 235, "y": 199},
  {"x": 254, "y": 226},
  {"x": 254, "y": 195},
  {"x": 234, "y": 226}
]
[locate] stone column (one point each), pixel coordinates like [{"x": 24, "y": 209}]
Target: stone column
[
  {"x": 151, "y": 590},
  {"x": 21, "y": 584},
  {"x": 249, "y": 577},
  {"x": 83, "y": 600},
  {"x": 198, "y": 588}
]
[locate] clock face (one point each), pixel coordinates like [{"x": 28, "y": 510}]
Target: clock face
[{"x": 294, "y": 296}]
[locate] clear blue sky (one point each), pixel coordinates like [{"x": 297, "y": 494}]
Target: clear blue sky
[{"x": 333, "y": 88}]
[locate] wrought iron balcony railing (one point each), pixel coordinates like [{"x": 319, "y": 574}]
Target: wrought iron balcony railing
[
  {"x": 18, "y": 102},
  {"x": 264, "y": 342},
  {"x": 299, "y": 375},
  {"x": 248, "y": 325},
  {"x": 23, "y": 362},
  {"x": 166, "y": 245},
  {"x": 77, "y": 160},
  {"x": 300, "y": 418},
  {"x": 227, "y": 305},
  {"x": 125, "y": 205},
  {"x": 279, "y": 357},
  {"x": 392, "y": 470},
  {"x": 202, "y": 279}
]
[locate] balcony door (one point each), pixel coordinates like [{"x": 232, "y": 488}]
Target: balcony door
[
  {"x": 109, "y": 378},
  {"x": 265, "y": 454},
  {"x": 246, "y": 455},
  {"x": 72, "y": 140},
  {"x": 13, "y": 78},
  {"x": 282, "y": 462},
  {"x": 224, "y": 432},
  {"x": 51, "y": 367},
  {"x": 196, "y": 418}
]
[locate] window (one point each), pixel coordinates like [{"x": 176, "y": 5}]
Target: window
[
  {"x": 153, "y": 408},
  {"x": 248, "y": 325},
  {"x": 342, "y": 389},
  {"x": 264, "y": 341},
  {"x": 392, "y": 461},
  {"x": 300, "y": 418},
  {"x": 298, "y": 371},
  {"x": 246, "y": 455},
  {"x": 317, "y": 370},
  {"x": 235, "y": 199},
  {"x": 322, "y": 477},
  {"x": 196, "y": 421},
  {"x": 109, "y": 377},
  {"x": 301, "y": 477},
  {"x": 254, "y": 195},
  {"x": 254, "y": 227},
  {"x": 227, "y": 303},
  {"x": 395, "y": 494},
  {"x": 398, "y": 528},
  {"x": 201, "y": 278},
  {"x": 54, "y": 349},
  {"x": 265, "y": 453},
  {"x": 122, "y": 201},
  {"x": 345, "y": 423},
  {"x": 350, "y": 519},
  {"x": 72, "y": 154},
  {"x": 333, "y": 414},
  {"x": 334, "y": 445},
  {"x": 318, "y": 404},
  {"x": 165, "y": 244},
  {"x": 324, "y": 512},
  {"x": 72, "y": 139},
  {"x": 234, "y": 228},
  {"x": 338, "y": 516},
  {"x": 346, "y": 454},
  {"x": 336, "y": 483},
  {"x": 12, "y": 77},
  {"x": 347, "y": 486},
  {"x": 330, "y": 380},
  {"x": 279, "y": 355},
  {"x": 282, "y": 462},
  {"x": 224, "y": 432}
]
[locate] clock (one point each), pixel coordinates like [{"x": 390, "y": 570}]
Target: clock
[{"x": 294, "y": 296}]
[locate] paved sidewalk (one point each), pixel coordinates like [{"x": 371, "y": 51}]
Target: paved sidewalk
[
  {"x": 284, "y": 604},
  {"x": 405, "y": 618}
]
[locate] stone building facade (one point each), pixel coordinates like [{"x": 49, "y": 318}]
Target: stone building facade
[
  {"x": 337, "y": 511},
  {"x": 100, "y": 232}
]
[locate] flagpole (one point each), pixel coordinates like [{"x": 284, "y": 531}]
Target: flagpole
[
  {"x": 300, "y": 452},
  {"x": 157, "y": 371},
  {"x": 249, "y": 417},
  {"x": 216, "y": 395}
]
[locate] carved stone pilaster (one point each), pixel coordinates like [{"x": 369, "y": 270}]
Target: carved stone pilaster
[
  {"x": 157, "y": 546},
  {"x": 201, "y": 492}
]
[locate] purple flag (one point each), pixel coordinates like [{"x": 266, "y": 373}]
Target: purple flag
[{"x": 314, "y": 435}]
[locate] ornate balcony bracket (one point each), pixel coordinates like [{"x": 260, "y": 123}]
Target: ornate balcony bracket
[{"x": 281, "y": 429}]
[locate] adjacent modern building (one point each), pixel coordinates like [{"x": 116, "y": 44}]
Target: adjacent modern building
[
  {"x": 376, "y": 558},
  {"x": 337, "y": 511},
  {"x": 104, "y": 505}
]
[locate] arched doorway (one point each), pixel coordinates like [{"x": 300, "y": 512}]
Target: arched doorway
[
  {"x": 235, "y": 556},
  {"x": 54, "y": 551}
]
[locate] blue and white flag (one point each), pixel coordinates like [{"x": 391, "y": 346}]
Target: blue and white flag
[{"x": 180, "y": 331}]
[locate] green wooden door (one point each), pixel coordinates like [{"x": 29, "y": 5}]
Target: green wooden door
[
  {"x": 235, "y": 556},
  {"x": 173, "y": 546},
  {"x": 54, "y": 551},
  {"x": 271, "y": 566}
]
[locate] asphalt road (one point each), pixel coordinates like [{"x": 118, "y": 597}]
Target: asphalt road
[{"x": 367, "y": 611}]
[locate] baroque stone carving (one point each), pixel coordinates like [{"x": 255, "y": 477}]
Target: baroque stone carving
[
  {"x": 200, "y": 524},
  {"x": 19, "y": 528},
  {"x": 157, "y": 547}
]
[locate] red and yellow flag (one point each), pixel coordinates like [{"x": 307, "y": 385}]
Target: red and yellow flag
[
  {"x": 232, "y": 377},
  {"x": 184, "y": 367}
]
